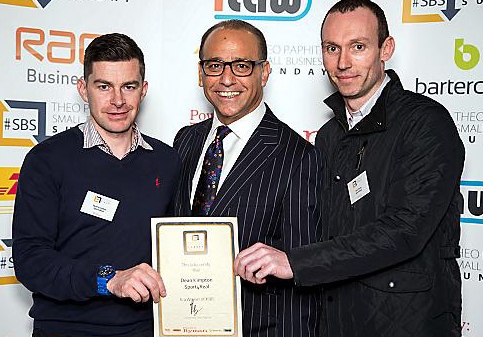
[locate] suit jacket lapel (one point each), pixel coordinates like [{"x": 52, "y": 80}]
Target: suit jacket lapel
[
  {"x": 262, "y": 145},
  {"x": 193, "y": 153},
  {"x": 201, "y": 133}
]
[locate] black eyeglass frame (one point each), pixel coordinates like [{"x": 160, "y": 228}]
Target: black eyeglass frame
[{"x": 230, "y": 63}]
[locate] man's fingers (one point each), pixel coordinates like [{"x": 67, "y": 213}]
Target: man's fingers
[
  {"x": 155, "y": 275},
  {"x": 138, "y": 283},
  {"x": 141, "y": 291},
  {"x": 252, "y": 263},
  {"x": 255, "y": 263},
  {"x": 247, "y": 257}
]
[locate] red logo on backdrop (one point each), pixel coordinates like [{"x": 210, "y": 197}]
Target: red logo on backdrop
[
  {"x": 8, "y": 182},
  {"x": 196, "y": 116},
  {"x": 61, "y": 45}
]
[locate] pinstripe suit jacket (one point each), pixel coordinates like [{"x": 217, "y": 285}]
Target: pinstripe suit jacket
[{"x": 272, "y": 189}]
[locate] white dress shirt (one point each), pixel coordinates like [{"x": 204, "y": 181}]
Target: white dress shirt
[
  {"x": 233, "y": 143},
  {"x": 355, "y": 117}
]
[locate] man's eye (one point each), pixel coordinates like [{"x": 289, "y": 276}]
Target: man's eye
[
  {"x": 130, "y": 87},
  {"x": 359, "y": 47},
  {"x": 214, "y": 66},
  {"x": 103, "y": 86},
  {"x": 242, "y": 66},
  {"x": 331, "y": 49}
]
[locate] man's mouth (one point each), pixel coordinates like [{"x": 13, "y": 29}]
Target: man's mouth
[
  {"x": 345, "y": 77},
  {"x": 228, "y": 94}
]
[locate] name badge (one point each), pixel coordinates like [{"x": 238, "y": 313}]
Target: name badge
[
  {"x": 358, "y": 187},
  {"x": 99, "y": 206}
]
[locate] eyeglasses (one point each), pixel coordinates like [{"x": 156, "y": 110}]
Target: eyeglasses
[{"x": 240, "y": 68}]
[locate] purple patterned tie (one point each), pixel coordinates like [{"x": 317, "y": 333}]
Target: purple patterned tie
[{"x": 210, "y": 174}]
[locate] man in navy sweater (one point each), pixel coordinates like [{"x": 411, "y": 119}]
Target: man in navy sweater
[{"x": 81, "y": 227}]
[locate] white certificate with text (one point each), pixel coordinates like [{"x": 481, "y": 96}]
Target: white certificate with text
[{"x": 195, "y": 256}]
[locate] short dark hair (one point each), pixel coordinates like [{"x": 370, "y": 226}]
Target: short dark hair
[
  {"x": 237, "y": 25},
  {"x": 344, "y": 6},
  {"x": 112, "y": 47}
]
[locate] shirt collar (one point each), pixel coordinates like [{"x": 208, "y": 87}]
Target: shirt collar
[
  {"x": 367, "y": 107},
  {"x": 92, "y": 137},
  {"x": 245, "y": 126}
]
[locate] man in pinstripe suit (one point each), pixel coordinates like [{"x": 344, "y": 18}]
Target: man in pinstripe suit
[{"x": 269, "y": 179}]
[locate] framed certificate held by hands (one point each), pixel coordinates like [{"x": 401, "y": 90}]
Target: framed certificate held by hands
[{"x": 194, "y": 256}]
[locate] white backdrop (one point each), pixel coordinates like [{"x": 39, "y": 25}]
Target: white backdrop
[{"x": 438, "y": 47}]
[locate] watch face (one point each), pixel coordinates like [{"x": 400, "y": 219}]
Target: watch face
[{"x": 105, "y": 271}]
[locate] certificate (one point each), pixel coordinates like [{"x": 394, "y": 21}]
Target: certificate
[{"x": 194, "y": 256}]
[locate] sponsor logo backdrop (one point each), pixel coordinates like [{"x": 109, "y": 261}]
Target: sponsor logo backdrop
[{"x": 438, "y": 53}]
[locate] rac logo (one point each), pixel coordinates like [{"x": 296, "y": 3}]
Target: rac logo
[
  {"x": 33, "y": 41},
  {"x": 26, "y": 3},
  {"x": 267, "y": 10}
]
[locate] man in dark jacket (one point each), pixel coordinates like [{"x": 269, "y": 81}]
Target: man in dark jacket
[{"x": 394, "y": 159}]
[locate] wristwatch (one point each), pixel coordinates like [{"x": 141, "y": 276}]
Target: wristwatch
[{"x": 104, "y": 274}]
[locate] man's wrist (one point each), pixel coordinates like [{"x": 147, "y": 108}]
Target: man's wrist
[{"x": 104, "y": 274}]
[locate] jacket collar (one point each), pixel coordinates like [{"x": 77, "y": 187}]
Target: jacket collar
[
  {"x": 263, "y": 130},
  {"x": 376, "y": 120}
]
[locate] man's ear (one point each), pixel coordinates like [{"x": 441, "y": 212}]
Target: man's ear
[
  {"x": 82, "y": 89},
  {"x": 144, "y": 90},
  {"x": 387, "y": 48},
  {"x": 200, "y": 76},
  {"x": 265, "y": 72}
]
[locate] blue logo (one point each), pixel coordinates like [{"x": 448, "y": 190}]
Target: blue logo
[
  {"x": 268, "y": 10},
  {"x": 473, "y": 202}
]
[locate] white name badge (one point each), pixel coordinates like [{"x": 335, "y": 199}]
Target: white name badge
[
  {"x": 99, "y": 206},
  {"x": 358, "y": 187}
]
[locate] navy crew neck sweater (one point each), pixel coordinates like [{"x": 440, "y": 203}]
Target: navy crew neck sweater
[{"x": 57, "y": 248}]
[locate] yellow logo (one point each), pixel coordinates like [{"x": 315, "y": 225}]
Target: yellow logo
[
  {"x": 11, "y": 141},
  {"x": 408, "y": 17},
  {"x": 8, "y": 183},
  {"x": 26, "y": 3},
  {"x": 7, "y": 275},
  {"x": 22, "y": 3}
]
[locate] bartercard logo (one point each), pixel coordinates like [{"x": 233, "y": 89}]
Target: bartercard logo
[
  {"x": 466, "y": 56},
  {"x": 26, "y": 3},
  {"x": 7, "y": 275},
  {"x": 23, "y": 123},
  {"x": 268, "y": 10},
  {"x": 473, "y": 202}
]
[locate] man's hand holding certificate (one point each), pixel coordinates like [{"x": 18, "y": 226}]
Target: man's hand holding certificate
[{"x": 195, "y": 259}]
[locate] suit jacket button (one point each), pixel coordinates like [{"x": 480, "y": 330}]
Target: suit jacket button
[
  {"x": 337, "y": 178},
  {"x": 391, "y": 284}
]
